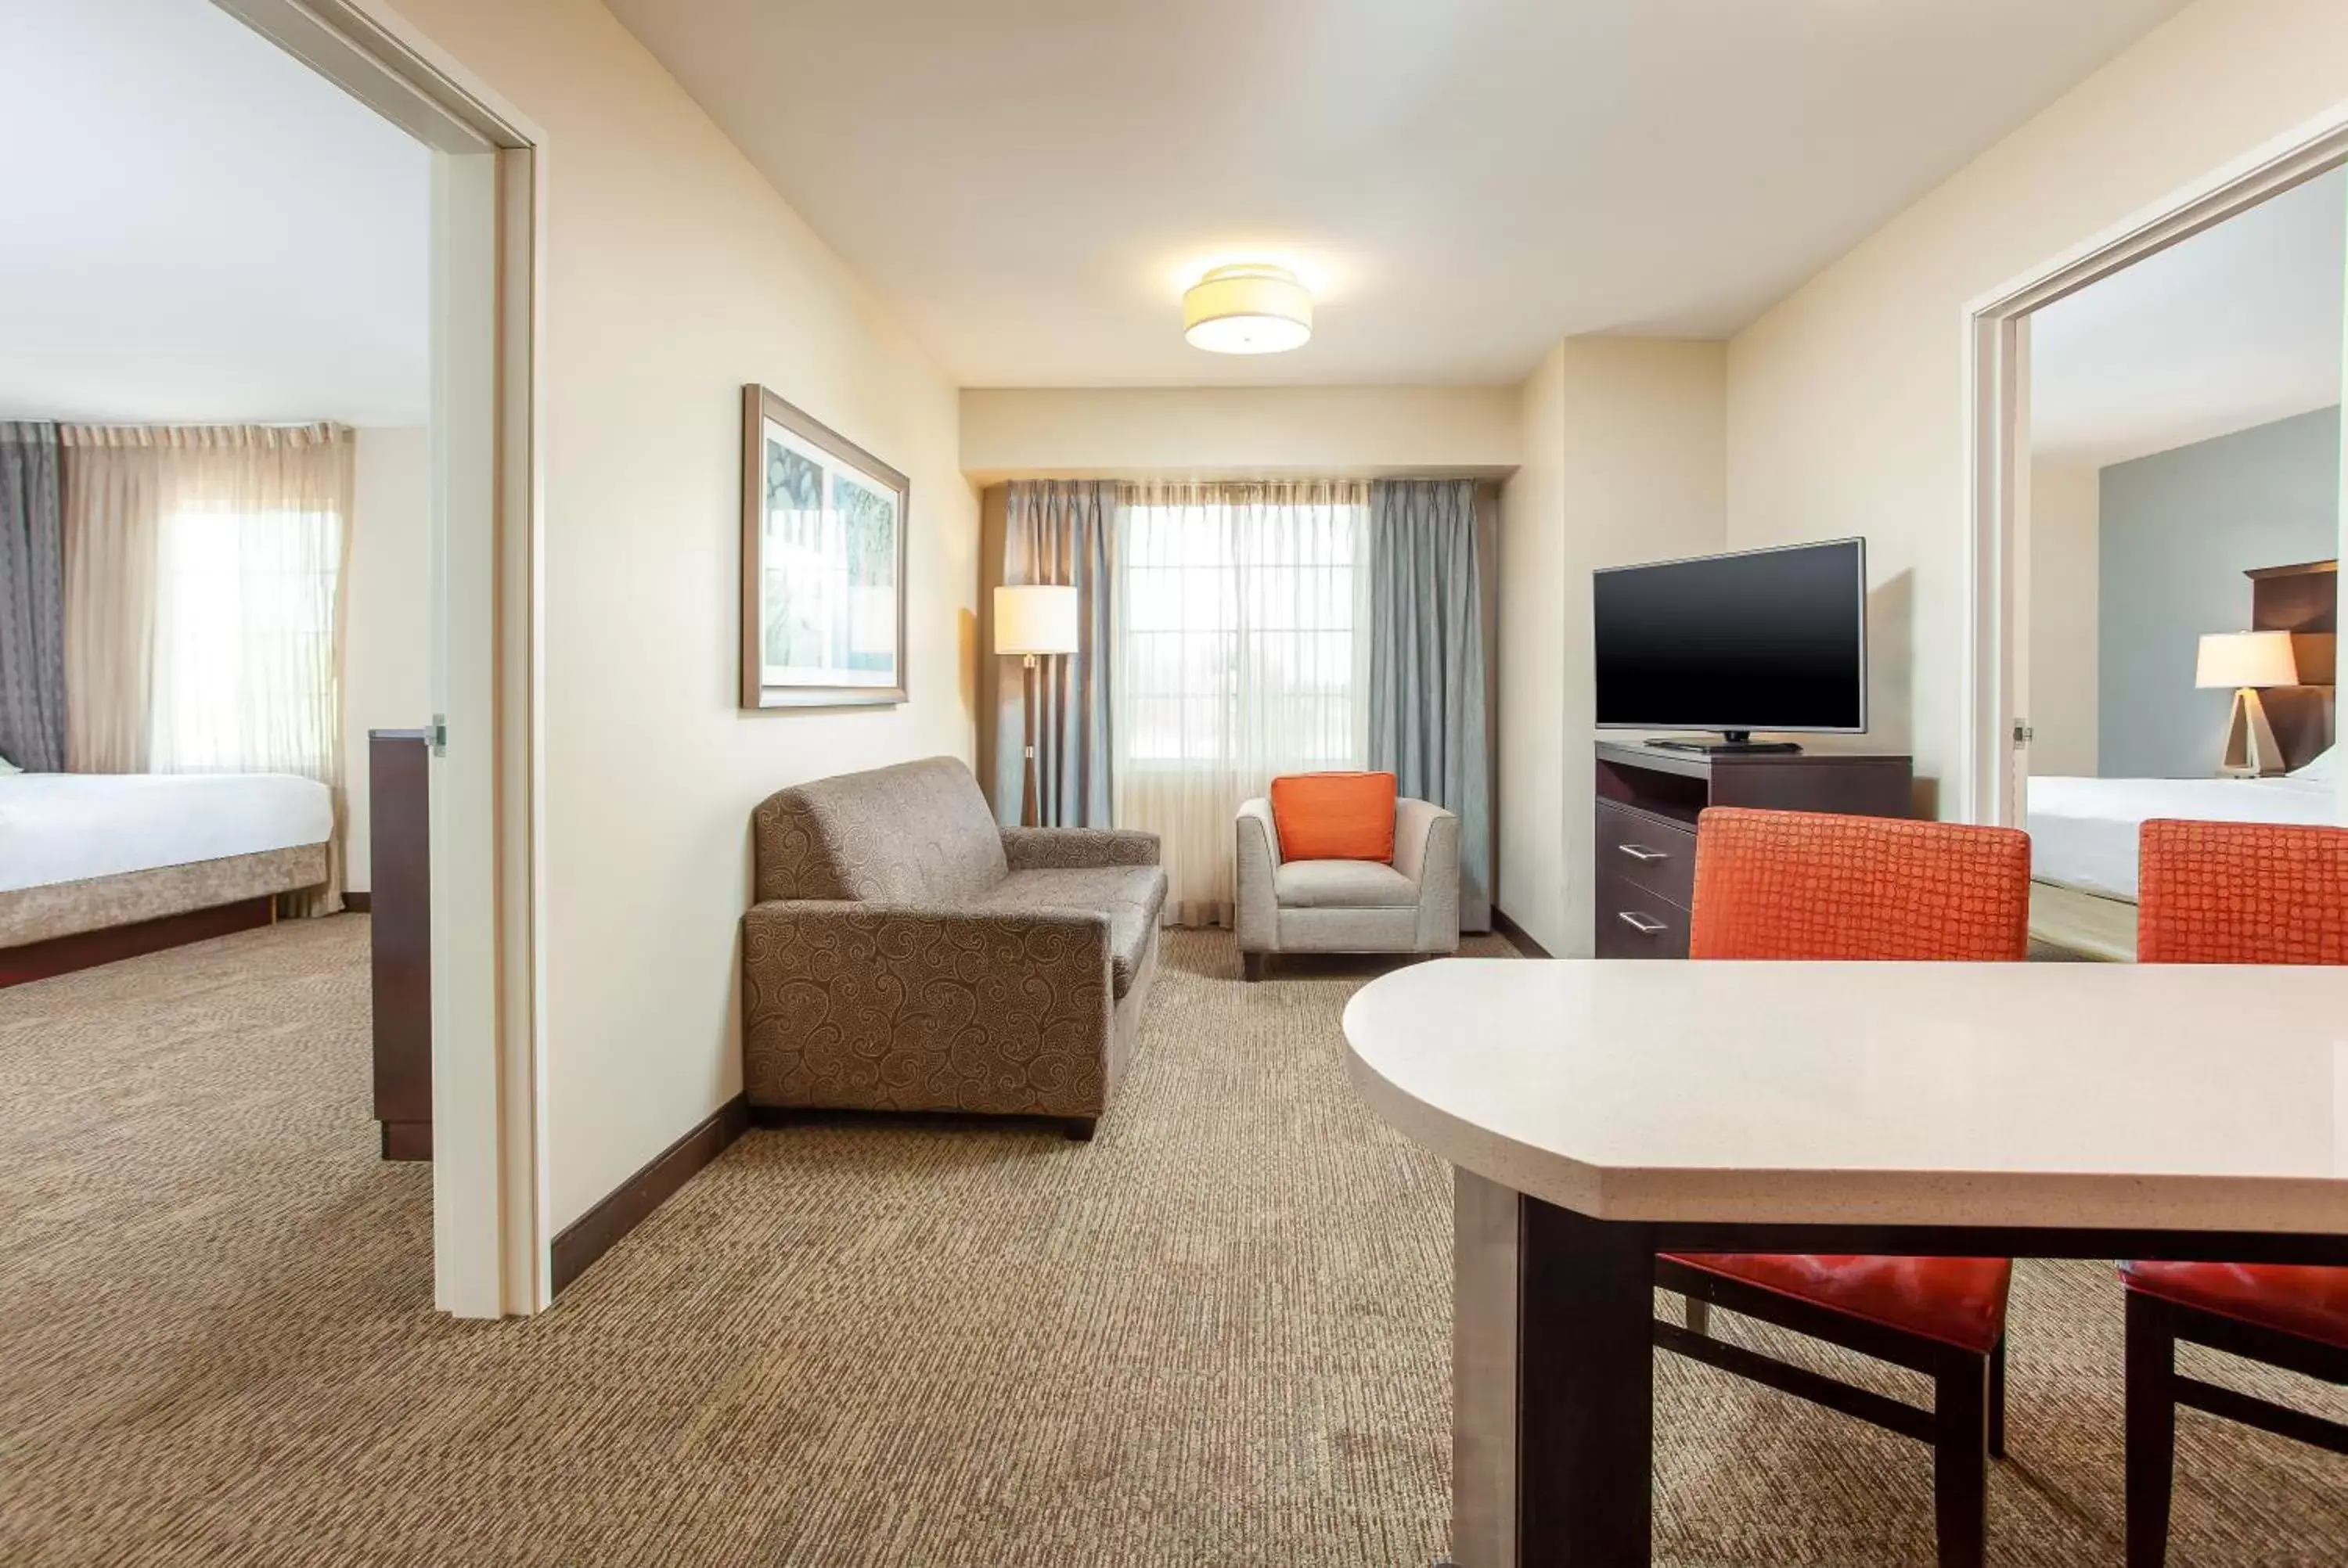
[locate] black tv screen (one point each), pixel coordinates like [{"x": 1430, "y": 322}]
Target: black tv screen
[{"x": 1765, "y": 639}]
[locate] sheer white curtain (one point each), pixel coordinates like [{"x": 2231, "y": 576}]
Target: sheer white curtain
[
  {"x": 252, "y": 526},
  {"x": 1239, "y": 616}
]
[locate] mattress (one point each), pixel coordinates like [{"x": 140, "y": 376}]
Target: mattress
[
  {"x": 2083, "y": 832},
  {"x": 69, "y": 827}
]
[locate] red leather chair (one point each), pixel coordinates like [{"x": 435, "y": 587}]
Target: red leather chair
[
  {"x": 2229, "y": 893},
  {"x": 1802, "y": 884}
]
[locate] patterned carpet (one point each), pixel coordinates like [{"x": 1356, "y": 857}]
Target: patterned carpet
[{"x": 1216, "y": 1335}]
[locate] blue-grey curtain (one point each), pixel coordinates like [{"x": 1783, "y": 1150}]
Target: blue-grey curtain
[
  {"x": 1428, "y": 719},
  {"x": 32, "y": 599},
  {"x": 1060, "y": 531}
]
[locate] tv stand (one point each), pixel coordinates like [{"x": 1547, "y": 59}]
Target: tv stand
[
  {"x": 1732, "y": 742},
  {"x": 1650, "y": 797}
]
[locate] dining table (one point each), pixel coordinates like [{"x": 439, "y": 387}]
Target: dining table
[{"x": 1595, "y": 1113}]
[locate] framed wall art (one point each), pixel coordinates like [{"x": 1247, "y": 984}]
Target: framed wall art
[{"x": 823, "y": 564}]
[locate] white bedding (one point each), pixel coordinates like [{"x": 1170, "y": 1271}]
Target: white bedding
[
  {"x": 2083, "y": 832},
  {"x": 66, "y": 828}
]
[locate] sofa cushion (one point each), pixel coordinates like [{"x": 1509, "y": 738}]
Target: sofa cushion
[
  {"x": 1132, "y": 897},
  {"x": 918, "y": 833},
  {"x": 1341, "y": 885},
  {"x": 1334, "y": 816}
]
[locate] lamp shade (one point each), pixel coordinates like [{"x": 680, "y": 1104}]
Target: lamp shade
[
  {"x": 1250, "y": 308},
  {"x": 2234, "y": 659},
  {"x": 1034, "y": 618}
]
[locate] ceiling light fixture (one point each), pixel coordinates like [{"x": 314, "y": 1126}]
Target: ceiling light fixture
[{"x": 1252, "y": 307}]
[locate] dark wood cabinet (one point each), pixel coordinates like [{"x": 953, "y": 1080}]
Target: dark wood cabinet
[
  {"x": 399, "y": 848},
  {"x": 1649, "y": 799}
]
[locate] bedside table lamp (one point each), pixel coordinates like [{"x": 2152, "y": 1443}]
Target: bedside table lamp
[
  {"x": 1033, "y": 620},
  {"x": 2246, "y": 661}
]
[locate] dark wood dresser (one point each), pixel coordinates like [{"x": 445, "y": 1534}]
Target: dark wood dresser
[
  {"x": 399, "y": 848},
  {"x": 1648, "y": 801}
]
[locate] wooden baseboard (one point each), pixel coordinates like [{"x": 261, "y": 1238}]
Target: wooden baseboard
[
  {"x": 1519, "y": 937},
  {"x": 88, "y": 949},
  {"x": 775, "y": 1118},
  {"x": 358, "y": 901},
  {"x": 590, "y": 1236}
]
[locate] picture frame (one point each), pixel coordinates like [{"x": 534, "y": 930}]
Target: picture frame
[{"x": 824, "y": 558}]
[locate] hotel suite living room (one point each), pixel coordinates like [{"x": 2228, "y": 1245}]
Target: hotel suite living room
[{"x": 901, "y": 783}]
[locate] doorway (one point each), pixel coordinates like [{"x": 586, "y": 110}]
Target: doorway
[
  {"x": 490, "y": 1239},
  {"x": 1999, "y": 729}
]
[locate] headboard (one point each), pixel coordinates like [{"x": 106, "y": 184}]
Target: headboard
[{"x": 2303, "y": 600}]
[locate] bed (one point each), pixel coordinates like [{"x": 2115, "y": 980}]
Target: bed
[
  {"x": 176, "y": 856},
  {"x": 2083, "y": 842}
]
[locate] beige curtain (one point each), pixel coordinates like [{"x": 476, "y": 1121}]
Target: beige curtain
[
  {"x": 113, "y": 492},
  {"x": 1242, "y": 655},
  {"x": 212, "y": 599}
]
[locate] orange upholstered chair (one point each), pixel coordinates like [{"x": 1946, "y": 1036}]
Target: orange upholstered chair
[
  {"x": 1806, "y": 884},
  {"x": 1809, "y": 885},
  {"x": 2229, "y": 893},
  {"x": 2240, "y": 892}
]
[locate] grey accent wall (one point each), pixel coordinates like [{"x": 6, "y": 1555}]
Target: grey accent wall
[{"x": 2177, "y": 531}]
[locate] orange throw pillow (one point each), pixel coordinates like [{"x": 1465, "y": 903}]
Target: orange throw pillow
[{"x": 1335, "y": 816}]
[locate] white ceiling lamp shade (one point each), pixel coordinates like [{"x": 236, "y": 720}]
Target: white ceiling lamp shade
[{"x": 1251, "y": 307}]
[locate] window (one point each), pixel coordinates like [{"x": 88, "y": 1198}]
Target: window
[
  {"x": 244, "y": 630},
  {"x": 1238, "y": 643},
  {"x": 1241, "y": 655}
]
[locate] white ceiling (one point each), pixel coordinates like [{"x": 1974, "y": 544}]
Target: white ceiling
[
  {"x": 1028, "y": 183},
  {"x": 197, "y": 226},
  {"x": 2237, "y": 326}
]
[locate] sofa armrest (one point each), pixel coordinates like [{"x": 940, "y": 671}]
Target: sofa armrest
[
  {"x": 1061, "y": 848},
  {"x": 1257, "y": 914},
  {"x": 1416, "y": 832},
  {"x": 1259, "y": 810},
  {"x": 1426, "y": 850},
  {"x": 900, "y": 1007}
]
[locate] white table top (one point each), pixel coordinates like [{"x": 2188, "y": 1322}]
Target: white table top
[{"x": 2084, "y": 1095}]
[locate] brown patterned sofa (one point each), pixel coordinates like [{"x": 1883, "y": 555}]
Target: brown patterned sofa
[{"x": 906, "y": 954}]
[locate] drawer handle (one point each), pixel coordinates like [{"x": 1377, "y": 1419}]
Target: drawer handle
[
  {"x": 1645, "y": 925},
  {"x": 1639, "y": 851}
]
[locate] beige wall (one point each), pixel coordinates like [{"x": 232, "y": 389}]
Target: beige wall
[
  {"x": 1846, "y": 402},
  {"x": 674, "y": 274},
  {"x": 2059, "y": 687},
  {"x": 1224, "y": 431},
  {"x": 1528, "y": 852},
  {"x": 1624, "y": 444},
  {"x": 388, "y": 610}
]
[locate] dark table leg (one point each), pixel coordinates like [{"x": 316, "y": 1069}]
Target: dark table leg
[{"x": 1554, "y": 1430}]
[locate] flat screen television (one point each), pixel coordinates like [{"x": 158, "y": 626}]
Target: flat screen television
[{"x": 1760, "y": 640}]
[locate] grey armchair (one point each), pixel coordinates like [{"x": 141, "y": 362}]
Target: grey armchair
[{"x": 1349, "y": 905}]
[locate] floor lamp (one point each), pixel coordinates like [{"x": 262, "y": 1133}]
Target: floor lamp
[
  {"x": 2246, "y": 661},
  {"x": 1032, "y": 621}
]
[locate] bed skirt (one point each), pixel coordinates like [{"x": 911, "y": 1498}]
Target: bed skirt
[
  {"x": 2086, "y": 923},
  {"x": 70, "y": 909}
]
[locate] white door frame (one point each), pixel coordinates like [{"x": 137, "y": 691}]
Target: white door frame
[
  {"x": 1998, "y": 434},
  {"x": 490, "y": 1236}
]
